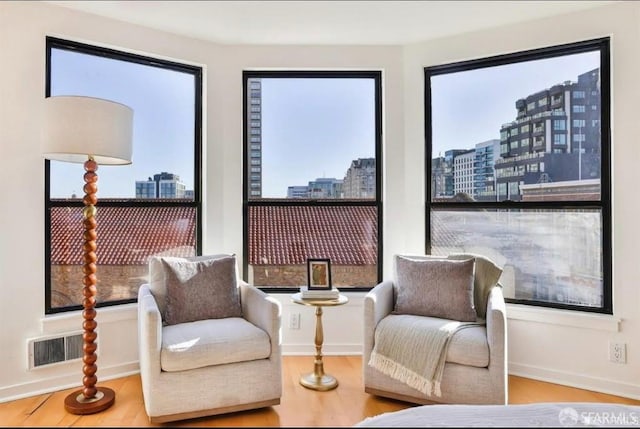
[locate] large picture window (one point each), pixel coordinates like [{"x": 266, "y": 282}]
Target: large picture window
[
  {"x": 312, "y": 177},
  {"x": 151, "y": 207},
  {"x": 519, "y": 150}
]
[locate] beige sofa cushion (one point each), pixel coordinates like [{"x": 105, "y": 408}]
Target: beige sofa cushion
[
  {"x": 469, "y": 347},
  {"x": 212, "y": 342}
]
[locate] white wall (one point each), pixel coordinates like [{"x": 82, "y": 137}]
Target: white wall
[
  {"x": 558, "y": 345},
  {"x": 572, "y": 350}
]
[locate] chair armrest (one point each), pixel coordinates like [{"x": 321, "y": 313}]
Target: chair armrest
[
  {"x": 496, "y": 319},
  {"x": 497, "y": 339},
  {"x": 149, "y": 331},
  {"x": 263, "y": 311},
  {"x": 378, "y": 303}
]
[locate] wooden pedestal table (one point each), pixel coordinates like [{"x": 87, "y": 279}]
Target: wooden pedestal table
[{"x": 318, "y": 380}]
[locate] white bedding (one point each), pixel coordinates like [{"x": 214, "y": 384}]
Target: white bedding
[{"x": 563, "y": 414}]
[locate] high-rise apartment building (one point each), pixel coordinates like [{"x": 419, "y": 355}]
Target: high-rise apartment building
[
  {"x": 360, "y": 179},
  {"x": 254, "y": 132},
  {"x": 163, "y": 185},
  {"x": 554, "y": 138}
]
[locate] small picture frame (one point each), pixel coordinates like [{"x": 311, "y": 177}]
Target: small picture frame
[{"x": 318, "y": 274}]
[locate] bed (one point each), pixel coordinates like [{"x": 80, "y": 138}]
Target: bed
[{"x": 557, "y": 414}]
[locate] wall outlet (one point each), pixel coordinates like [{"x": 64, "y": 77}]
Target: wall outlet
[
  {"x": 618, "y": 352},
  {"x": 294, "y": 321}
]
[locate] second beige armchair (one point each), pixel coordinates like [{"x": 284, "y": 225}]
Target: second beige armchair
[{"x": 475, "y": 366}]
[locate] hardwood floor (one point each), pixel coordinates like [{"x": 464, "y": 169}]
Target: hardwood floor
[{"x": 300, "y": 407}]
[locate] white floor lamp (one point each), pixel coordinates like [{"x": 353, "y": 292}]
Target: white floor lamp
[{"x": 91, "y": 131}]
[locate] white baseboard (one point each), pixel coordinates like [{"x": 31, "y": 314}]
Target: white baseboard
[
  {"x": 67, "y": 381},
  {"x": 580, "y": 381}
]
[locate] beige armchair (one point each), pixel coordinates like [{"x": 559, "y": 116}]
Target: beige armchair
[
  {"x": 212, "y": 366},
  {"x": 475, "y": 368}
]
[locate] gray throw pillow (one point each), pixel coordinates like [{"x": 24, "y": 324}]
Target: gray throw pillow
[
  {"x": 199, "y": 290},
  {"x": 158, "y": 283},
  {"x": 435, "y": 287},
  {"x": 486, "y": 276}
]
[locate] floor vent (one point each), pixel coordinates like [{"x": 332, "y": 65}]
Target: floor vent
[{"x": 50, "y": 350}]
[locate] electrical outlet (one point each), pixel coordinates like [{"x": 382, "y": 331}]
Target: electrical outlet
[
  {"x": 294, "y": 321},
  {"x": 618, "y": 352}
]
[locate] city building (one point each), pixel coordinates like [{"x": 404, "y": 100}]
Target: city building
[
  {"x": 298, "y": 191},
  {"x": 359, "y": 182},
  {"x": 569, "y": 190},
  {"x": 484, "y": 178},
  {"x": 442, "y": 170},
  {"x": 555, "y": 137},
  {"x": 325, "y": 187},
  {"x": 463, "y": 173},
  {"x": 163, "y": 185},
  {"x": 255, "y": 137},
  {"x": 146, "y": 188},
  {"x": 437, "y": 174},
  {"x": 360, "y": 179}
]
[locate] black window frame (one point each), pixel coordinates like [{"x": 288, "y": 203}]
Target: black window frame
[
  {"x": 603, "y": 46},
  {"x": 247, "y": 202},
  {"x": 73, "y": 46}
]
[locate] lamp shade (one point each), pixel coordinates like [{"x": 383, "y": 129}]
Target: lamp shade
[{"x": 77, "y": 127}]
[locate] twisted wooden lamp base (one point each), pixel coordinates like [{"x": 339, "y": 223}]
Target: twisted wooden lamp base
[{"x": 90, "y": 399}]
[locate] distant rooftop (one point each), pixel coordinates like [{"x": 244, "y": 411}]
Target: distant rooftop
[
  {"x": 126, "y": 236},
  {"x": 287, "y": 235},
  {"x": 282, "y": 235}
]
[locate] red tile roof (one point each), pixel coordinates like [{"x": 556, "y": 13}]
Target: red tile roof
[
  {"x": 281, "y": 235},
  {"x": 287, "y": 235},
  {"x": 126, "y": 236}
]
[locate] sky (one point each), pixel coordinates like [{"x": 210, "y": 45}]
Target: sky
[
  {"x": 311, "y": 127},
  {"x": 469, "y": 107}
]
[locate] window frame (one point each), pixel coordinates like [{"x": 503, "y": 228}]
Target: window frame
[
  {"x": 52, "y": 43},
  {"x": 604, "y": 205},
  {"x": 247, "y": 202}
]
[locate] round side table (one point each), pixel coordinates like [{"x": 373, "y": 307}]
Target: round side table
[{"x": 318, "y": 380}]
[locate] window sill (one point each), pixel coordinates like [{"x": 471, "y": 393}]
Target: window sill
[
  {"x": 72, "y": 320},
  {"x": 575, "y": 319}
]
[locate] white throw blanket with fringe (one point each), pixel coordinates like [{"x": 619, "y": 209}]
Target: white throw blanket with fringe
[{"x": 413, "y": 349}]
